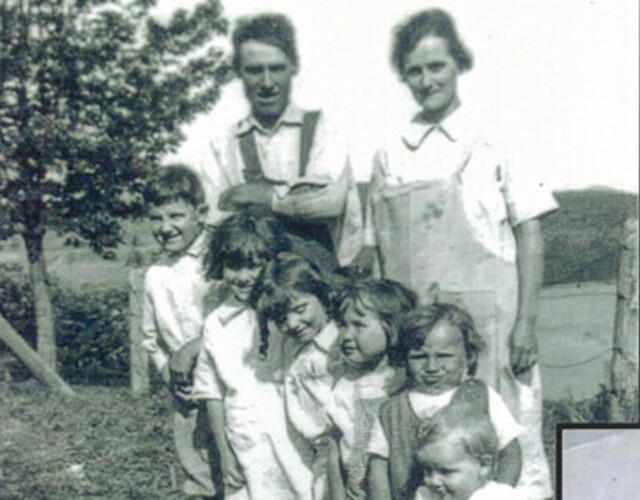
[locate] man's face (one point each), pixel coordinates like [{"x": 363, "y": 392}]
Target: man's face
[{"x": 266, "y": 72}]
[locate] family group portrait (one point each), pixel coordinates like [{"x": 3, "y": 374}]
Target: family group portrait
[{"x": 298, "y": 250}]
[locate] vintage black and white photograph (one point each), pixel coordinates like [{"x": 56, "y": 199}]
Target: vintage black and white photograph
[{"x": 303, "y": 250}]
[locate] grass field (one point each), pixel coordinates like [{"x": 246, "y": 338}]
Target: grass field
[{"x": 103, "y": 445}]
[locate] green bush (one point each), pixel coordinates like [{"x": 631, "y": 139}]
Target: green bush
[
  {"x": 16, "y": 302},
  {"x": 92, "y": 330},
  {"x": 92, "y": 335}
]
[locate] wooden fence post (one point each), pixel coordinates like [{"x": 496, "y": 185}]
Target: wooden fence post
[
  {"x": 32, "y": 360},
  {"x": 139, "y": 364},
  {"x": 624, "y": 363}
]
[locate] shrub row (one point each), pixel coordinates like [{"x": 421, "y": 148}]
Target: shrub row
[{"x": 92, "y": 329}]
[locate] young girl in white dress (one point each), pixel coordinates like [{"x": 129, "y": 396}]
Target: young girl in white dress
[
  {"x": 368, "y": 318},
  {"x": 258, "y": 457},
  {"x": 293, "y": 296}
]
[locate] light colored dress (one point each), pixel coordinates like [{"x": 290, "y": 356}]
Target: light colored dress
[
  {"x": 442, "y": 207},
  {"x": 308, "y": 382},
  {"x": 353, "y": 411},
  {"x": 229, "y": 368},
  {"x": 497, "y": 491}
]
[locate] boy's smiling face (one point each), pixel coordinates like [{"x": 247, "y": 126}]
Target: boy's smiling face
[
  {"x": 176, "y": 224},
  {"x": 440, "y": 363}
]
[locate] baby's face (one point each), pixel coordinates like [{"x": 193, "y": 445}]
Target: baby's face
[
  {"x": 440, "y": 363},
  {"x": 305, "y": 318},
  {"x": 449, "y": 471}
]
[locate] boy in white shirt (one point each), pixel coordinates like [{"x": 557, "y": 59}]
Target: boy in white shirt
[{"x": 174, "y": 307}]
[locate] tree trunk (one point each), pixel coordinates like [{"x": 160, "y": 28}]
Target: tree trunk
[{"x": 46, "y": 344}]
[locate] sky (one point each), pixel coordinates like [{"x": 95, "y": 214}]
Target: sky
[{"x": 555, "y": 80}]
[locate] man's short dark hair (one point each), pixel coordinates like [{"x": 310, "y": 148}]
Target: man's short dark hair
[{"x": 272, "y": 29}]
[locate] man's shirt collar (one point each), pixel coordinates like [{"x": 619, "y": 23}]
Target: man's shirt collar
[{"x": 293, "y": 116}]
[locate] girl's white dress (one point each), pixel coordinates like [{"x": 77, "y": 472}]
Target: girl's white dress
[
  {"x": 353, "y": 411},
  {"x": 275, "y": 464}
]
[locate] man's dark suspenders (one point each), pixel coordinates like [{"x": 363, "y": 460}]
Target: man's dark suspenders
[{"x": 253, "y": 173}]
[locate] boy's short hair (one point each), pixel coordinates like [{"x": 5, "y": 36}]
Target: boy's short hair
[
  {"x": 272, "y": 29},
  {"x": 244, "y": 238},
  {"x": 388, "y": 299},
  {"x": 419, "y": 323},
  {"x": 172, "y": 183},
  {"x": 466, "y": 418}
]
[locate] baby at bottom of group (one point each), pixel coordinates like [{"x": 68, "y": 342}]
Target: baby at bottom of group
[{"x": 457, "y": 449}]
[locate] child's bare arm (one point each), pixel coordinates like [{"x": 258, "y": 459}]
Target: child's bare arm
[
  {"x": 378, "y": 479},
  {"x": 231, "y": 470},
  {"x": 334, "y": 471},
  {"x": 509, "y": 463}
]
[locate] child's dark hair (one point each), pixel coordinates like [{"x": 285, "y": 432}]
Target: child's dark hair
[
  {"x": 244, "y": 239},
  {"x": 271, "y": 295},
  {"x": 388, "y": 299},
  {"x": 466, "y": 418},
  {"x": 419, "y": 323},
  {"x": 173, "y": 183}
]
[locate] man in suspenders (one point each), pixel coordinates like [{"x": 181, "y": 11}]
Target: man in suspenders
[{"x": 280, "y": 158}]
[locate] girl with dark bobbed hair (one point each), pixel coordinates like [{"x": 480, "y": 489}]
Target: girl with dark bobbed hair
[{"x": 449, "y": 216}]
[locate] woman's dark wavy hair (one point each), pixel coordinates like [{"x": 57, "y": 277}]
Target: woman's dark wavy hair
[
  {"x": 388, "y": 299},
  {"x": 435, "y": 22},
  {"x": 244, "y": 238},
  {"x": 419, "y": 323},
  {"x": 271, "y": 295}
]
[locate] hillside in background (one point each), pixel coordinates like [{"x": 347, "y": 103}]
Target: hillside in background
[{"x": 582, "y": 239}]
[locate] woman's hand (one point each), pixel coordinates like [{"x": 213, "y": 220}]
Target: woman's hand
[
  {"x": 523, "y": 347},
  {"x": 363, "y": 263}
]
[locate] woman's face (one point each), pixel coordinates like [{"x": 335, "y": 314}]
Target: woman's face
[{"x": 432, "y": 75}]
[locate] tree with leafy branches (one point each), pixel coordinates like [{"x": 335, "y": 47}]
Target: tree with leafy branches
[{"x": 92, "y": 95}]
